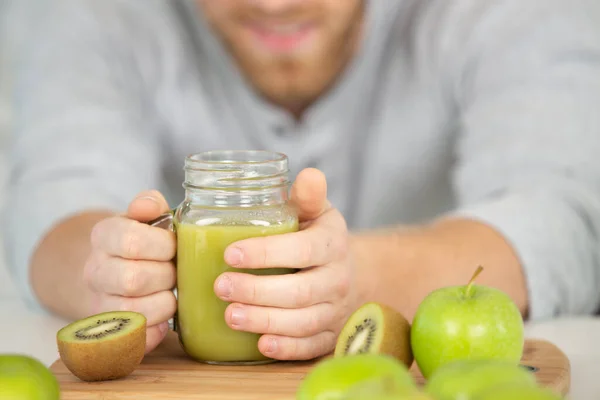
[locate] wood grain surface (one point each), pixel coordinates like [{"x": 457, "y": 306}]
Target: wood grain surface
[{"x": 167, "y": 373}]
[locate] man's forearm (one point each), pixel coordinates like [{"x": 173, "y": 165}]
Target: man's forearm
[
  {"x": 400, "y": 267},
  {"x": 57, "y": 266}
]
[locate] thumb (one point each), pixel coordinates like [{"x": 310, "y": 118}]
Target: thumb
[
  {"x": 147, "y": 206},
  {"x": 309, "y": 194}
]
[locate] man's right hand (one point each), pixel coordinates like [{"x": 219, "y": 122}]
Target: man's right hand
[{"x": 131, "y": 268}]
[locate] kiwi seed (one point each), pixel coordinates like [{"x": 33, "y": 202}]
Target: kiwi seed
[
  {"x": 103, "y": 346},
  {"x": 376, "y": 328}
]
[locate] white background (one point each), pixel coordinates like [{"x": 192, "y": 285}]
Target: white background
[
  {"x": 10, "y": 35},
  {"x": 6, "y": 52},
  {"x": 577, "y": 337}
]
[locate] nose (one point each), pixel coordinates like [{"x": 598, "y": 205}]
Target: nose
[{"x": 277, "y": 6}]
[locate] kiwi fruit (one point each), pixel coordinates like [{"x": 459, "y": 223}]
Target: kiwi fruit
[
  {"x": 104, "y": 346},
  {"x": 356, "y": 376},
  {"x": 376, "y": 328}
]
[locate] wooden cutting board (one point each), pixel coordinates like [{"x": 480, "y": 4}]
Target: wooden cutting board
[{"x": 167, "y": 373}]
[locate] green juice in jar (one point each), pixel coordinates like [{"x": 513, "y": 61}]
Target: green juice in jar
[{"x": 201, "y": 324}]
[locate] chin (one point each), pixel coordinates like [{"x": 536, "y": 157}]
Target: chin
[
  {"x": 289, "y": 91},
  {"x": 291, "y": 83}
]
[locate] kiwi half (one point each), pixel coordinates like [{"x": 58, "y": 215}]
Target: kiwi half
[
  {"x": 376, "y": 328},
  {"x": 103, "y": 346}
]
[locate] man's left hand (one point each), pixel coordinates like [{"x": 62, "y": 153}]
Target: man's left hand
[{"x": 299, "y": 315}]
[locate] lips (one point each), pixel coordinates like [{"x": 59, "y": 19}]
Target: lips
[
  {"x": 283, "y": 37},
  {"x": 287, "y": 29}
]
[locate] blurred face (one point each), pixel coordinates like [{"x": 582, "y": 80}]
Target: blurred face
[{"x": 290, "y": 50}]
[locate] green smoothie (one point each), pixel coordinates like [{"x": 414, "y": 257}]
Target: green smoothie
[{"x": 201, "y": 314}]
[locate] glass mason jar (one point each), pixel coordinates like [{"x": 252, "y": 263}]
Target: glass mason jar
[{"x": 229, "y": 196}]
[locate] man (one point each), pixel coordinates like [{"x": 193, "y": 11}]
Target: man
[{"x": 426, "y": 138}]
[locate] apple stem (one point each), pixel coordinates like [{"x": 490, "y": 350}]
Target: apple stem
[{"x": 475, "y": 275}]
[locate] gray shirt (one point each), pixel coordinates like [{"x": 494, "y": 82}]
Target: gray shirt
[{"x": 485, "y": 109}]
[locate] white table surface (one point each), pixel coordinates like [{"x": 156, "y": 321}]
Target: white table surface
[{"x": 28, "y": 332}]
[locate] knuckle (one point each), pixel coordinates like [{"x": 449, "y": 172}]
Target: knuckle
[
  {"x": 342, "y": 286},
  {"x": 265, "y": 252},
  {"x": 88, "y": 271},
  {"x": 302, "y": 296},
  {"x": 269, "y": 323},
  {"x": 272, "y": 250},
  {"x": 254, "y": 293},
  {"x": 131, "y": 243},
  {"x": 313, "y": 326},
  {"x": 131, "y": 279},
  {"x": 96, "y": 234},
  {"x": 305, "y": 252},
  {"x": 294, "y": 350}
]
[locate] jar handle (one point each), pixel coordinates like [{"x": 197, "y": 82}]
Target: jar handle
[{"x": 165, "y": 221}]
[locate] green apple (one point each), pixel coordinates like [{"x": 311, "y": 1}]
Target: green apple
[
  {"x": 384, "y": 387},
  {"x": 466, "y": 379},
  {"x": 466, "y": 322},
  {"x": 23, "y": 377},
  {"x": 416, "y": 395},
  {"x": 520, "y": 393},
  {"x": 357, "y": 375},
  {"x": 411, "y": 396}
]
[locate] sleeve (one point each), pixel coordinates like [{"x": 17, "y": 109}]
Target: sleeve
[
  {"x": 83, "y": 137},
  {"x": 528, "y": 145}
]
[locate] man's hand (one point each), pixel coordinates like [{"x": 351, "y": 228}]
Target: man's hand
[
  {"x": 130, "y": 266},
  {"x": 301, "y": 314}
]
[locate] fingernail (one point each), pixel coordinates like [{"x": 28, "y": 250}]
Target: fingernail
[
  {"x": 234, "y": 256},
  {"x": 147, "y": 198},
  {"x": 163, "y": 327},
  {"x": 237, "y": 316},
  {"x": 272, "y": 347},
  {"x": 224, "y": 287}
]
